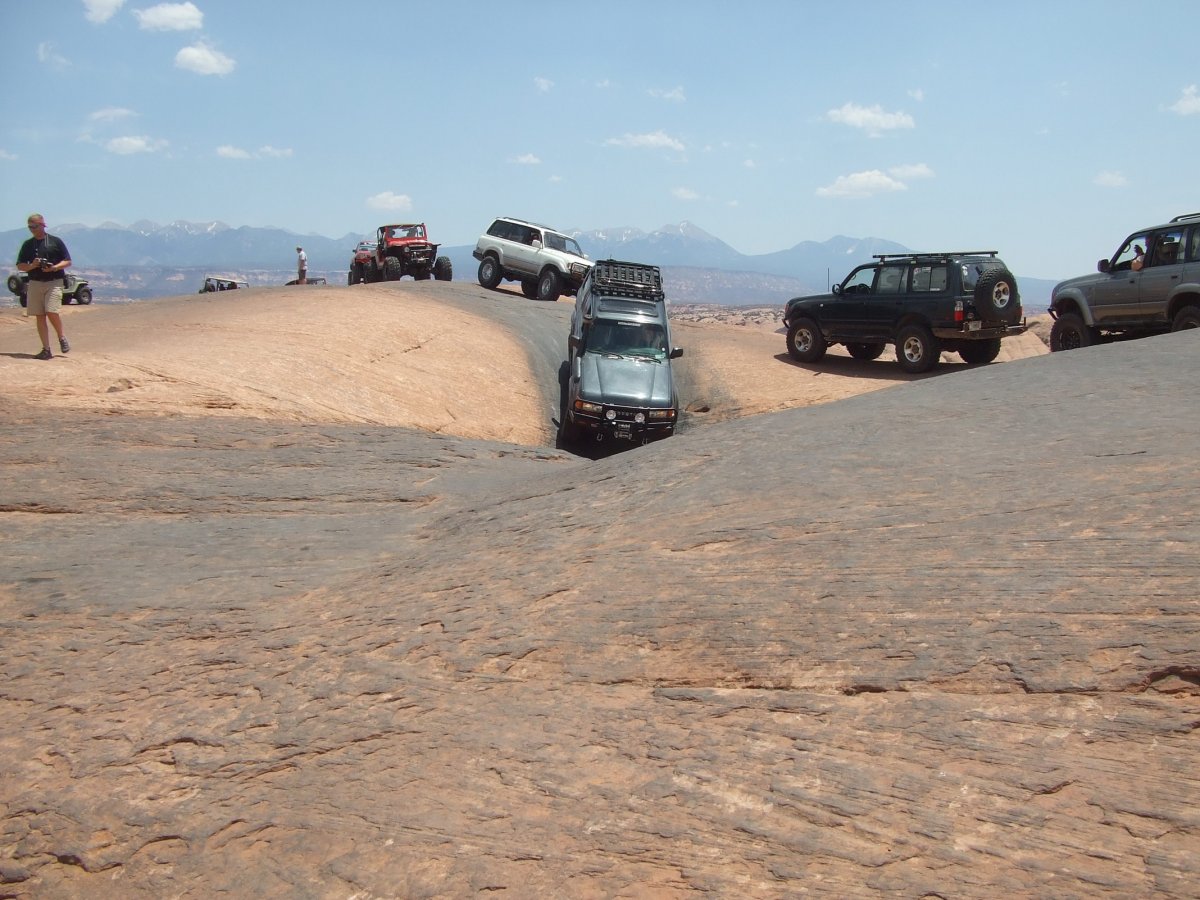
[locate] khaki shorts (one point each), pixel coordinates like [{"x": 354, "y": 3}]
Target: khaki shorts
[{"x": 42, "y": 297}]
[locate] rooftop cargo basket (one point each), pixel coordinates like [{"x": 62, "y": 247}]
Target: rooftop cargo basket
[{"x": 627, "y": 279}]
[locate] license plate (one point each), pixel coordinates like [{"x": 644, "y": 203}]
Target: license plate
[{"x": 974, "y": 326}]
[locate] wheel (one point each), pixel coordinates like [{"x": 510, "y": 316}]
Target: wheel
[
  {"x": 24, "y": 300},
  {"x": 865, "y": 351},
  {"x": 443, "y": 269},
  {"x": 996, "y": 296},
  {"x": 568, "y": 433},
  {"x": 357, "y": 272},
  {"x": 83, "y": 296},
  {"x": 489, "y": 272},
  {"x": 549, "y": 286},
  {"x": 1188, "y": 317},
  {"x": 1069, "y": 333},
  {"x": 979, "y": 353},
  {"x": 805, "y": 342},
  {"x": 14, "y": 284},
  {"x": 392, "y": 270},
  {"x": 916, "y": 349},
  {"x": 529, "y": 287},
  {"x": 371, "y": 271}
]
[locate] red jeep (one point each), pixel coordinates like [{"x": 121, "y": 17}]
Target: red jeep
[{"x": 405, "y": 250}]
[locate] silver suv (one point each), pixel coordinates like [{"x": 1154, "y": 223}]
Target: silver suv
[
  {"x": 546, "y": 262},
  {"x": 1150, "y": 285}
]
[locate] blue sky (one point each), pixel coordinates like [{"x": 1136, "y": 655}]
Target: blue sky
[{"x": 1045, "y": 130}]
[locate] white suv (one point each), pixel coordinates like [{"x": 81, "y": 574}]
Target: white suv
[{"x": 546, "y": 262}]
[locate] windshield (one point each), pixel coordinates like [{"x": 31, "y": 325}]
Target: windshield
[
  {"x": 648, "y": 340},
  {"x": 563, "y": 243}
]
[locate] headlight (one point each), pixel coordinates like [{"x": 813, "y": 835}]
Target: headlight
[
  {"x": 586, "y": 407},
  {"x": 578, "y": 270},
  {"x": 611, "y": 415},
  {"x": 639, "y": 417}
]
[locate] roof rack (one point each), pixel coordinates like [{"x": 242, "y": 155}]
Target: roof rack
[
  {"x": 935, "y": 255},
  {"x": 628, "y": 279},
  {"x": 1186, "y": 216}
]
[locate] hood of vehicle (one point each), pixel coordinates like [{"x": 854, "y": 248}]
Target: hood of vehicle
[
  {"x": 809, "y": 301},
  {"x": 622, "y": 381},
  {"x": 1082, "y": 281}
]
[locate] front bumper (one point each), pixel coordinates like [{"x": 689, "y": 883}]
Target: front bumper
[{"x": 626, "y": 423}]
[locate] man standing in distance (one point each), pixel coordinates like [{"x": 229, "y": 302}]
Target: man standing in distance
[
  {"x": 45, "y": 257},
  {"x": 302, "y": 257}
]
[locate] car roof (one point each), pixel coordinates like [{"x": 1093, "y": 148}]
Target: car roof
[{"x": 532, "y": 224}]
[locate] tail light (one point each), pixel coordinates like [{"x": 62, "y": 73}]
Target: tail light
[{"x": 959, "y": 312}]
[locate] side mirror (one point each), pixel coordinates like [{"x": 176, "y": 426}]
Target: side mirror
[
  {"x": 676, "y": 352},
  {"x": 837, "y": 289},
  {"x": 1102, "y": 266},
  {"x": 572, "y": 342},
  {"x": 577, "y": 368}
]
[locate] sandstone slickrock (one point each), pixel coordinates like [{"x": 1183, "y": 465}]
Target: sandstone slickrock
[{"x": 936, "y": 640}]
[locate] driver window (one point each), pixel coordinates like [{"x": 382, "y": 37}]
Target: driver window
[
  {"x": 1167, "y": 248},
  {"x": 1135, "y": 247},
  {"x": 859, "y": 281},
  {"x": 891, "y": 280}
]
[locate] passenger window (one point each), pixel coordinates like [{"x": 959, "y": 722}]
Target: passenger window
[
  {"x": 1194, "y": 247},
  {"x": 930, "y": 279},
  {"x": 1167, "y": 248}
]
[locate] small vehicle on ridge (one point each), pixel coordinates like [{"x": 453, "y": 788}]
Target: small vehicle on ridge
[
  {"x": 75, "y": 289},
  {"x": 405, "y": 249}
]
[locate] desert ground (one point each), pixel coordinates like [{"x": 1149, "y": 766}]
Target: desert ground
[{"x": 301, "y": 600}]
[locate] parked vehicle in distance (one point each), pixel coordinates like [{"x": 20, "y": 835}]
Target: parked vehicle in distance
[
  {"x": 359, "y": 261},
  {"x": 405, "y": 249},
  {"x": 923, "y": 303},
  {"x": 1149, "y": 286},
  {"x": 619, "y": 352},
  {"x": 317, "y": 280},
  {"x": 75, "y": 289},
  {"x": 221, "y": 283},
  {"x": 548, "y": 263}
]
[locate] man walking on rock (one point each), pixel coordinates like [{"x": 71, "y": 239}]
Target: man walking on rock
[{"x": 45, "y": 257}]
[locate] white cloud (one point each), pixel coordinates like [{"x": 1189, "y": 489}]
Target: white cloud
[
  {"x": 124, "y": 146},
  {"x": 1110, "y": 180},
  {"x": 748, "y": 164},
  {"x": 170, "y": 17},
  {"x": 6, "y": 156},
  {"x": 204, "y": 60},
  {"x": 228, "y": 151},
  {"x": 871, "y": 119},
  {"x": 48, "y": 53},
  {"x": 655, "y": 141},
  {"x": 390, "y": 202},
  {"x": 603, "y": 83},
  {"x": 682, "y": 193},
  {"x": 100, "y": 11},
  {"x": 675, "y": 95},
  {"x": 1188, "y": 103},
  {"x": 543, "y": 84},
  {"x": 111, "y": 114},
  {"x": 527, "y": 159},
  {"x": 910, "y": 171},
  {"x": 917, "y": 94},
  {"x": 861, "y": 185}
]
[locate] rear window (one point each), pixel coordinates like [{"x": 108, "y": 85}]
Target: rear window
[{"x": 929, "y": 279}]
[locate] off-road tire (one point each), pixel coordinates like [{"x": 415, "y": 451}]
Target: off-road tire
[
  {"x": 866, "y": 352},
  {"x": 83, "y": 296},
  {"x": 529, "y": 287},
  {"x": 549, "y": 286},
  {"x": 490, "y": 273},
  {"x": 371, "y": 272},
  {"x": 997, "y": 298},
  {"x": 1188, "y": 317},
  {"x": 1070, "y": 333},
  {"x": 980, "y": 353},
  {"x": 14, "y": 284},
  {"x": 917, "y": 350},
  {"x": 392, "y": 269},
  {"x": 805, "y": 343},
  {"x": 443, "y": 269}
]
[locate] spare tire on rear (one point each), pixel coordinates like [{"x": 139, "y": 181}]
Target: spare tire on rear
[
  {"x": 14, "y": 283},
  {"x": 996, "y": 296}
]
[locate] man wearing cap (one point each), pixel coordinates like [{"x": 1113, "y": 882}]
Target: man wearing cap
[{"x": 44, "y": 257}]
